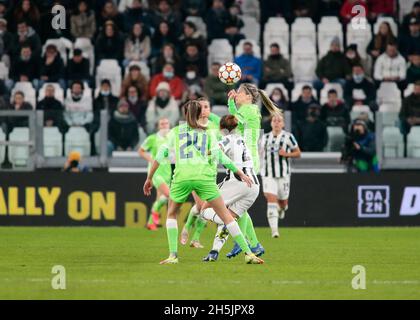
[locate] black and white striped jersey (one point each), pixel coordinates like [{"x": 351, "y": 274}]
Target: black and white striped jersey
[
  {"x": 233, "y": 145},
  {"x": 272, "y": 164}
]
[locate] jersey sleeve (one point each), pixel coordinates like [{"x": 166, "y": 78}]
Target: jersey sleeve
[
  {"x": 233, "y": 110},
  {"x": 217, "y": 154},
  {"x": 147, "y": 143},
  {"x": 292, "y": 143},
  {"x": 214, "y": 118}
]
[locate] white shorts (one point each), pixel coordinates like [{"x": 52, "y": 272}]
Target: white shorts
[
  {"x": 237, "y": 196},
  {"x": 277, "y": 186}
]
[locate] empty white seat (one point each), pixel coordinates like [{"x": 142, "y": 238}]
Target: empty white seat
[
  {"x": 271, "y": 86},
  {"x": 19, "y": 155},
  {"x": 251, "y": 28},
  {"x": 329, "y": 86},
  {"x": 77, "y": 139},
  {"x": 28, "y": 91},
  {"x": 58, "y": 91},
  {"x": 388, "y": 93},
  {"x": 393, "y": 143},
  {"x": 220, "y": 110},
  {"x": 220, "y": 51},
  {"x": 297, "y": 90},
  {"x": 336, "y": 139},
  {"x": 256, "y": 48},
  {"x": 357, "y": 110},
  {"x": 304, "y": 61},
  {"x": 53, "y": 142},
  {"x": 144, "y": 68},
  {"x": 4, "y": 71},
  {"x": 2, "y": 147},
  {"x": 328, "y": 29},
  {"x": 390, "y": 20},
  {"x": 389, "y": 115},
  {"x": 413, "y": 143},
  {"x": 200, "y": 24},
  {"x": 303, "y": 28},
  {"x": 359, "y": 36},
  {"x": 250, "y": 8}
]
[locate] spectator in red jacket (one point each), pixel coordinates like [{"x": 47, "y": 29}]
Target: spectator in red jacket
[
  {"x": 381, "y": 7},
  {"x": 175, "y": 83},
  {"x": 347, "y": 7}
]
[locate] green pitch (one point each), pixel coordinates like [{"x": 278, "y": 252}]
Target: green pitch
[{"x": 121, "y": 263}]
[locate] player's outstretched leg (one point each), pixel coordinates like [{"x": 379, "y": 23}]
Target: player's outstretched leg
[
  {"x": 200, "y": 224},
  {"x": 153, "y": 221},
  {"x": 220, "y": 239},
  {"x": 172, "y": 233},
  {"x": 236, "y": 250},
  {"x": 273, "y": 217},
  {"x": 192, "y": 217},
  {"x": 256, "y": 246}
]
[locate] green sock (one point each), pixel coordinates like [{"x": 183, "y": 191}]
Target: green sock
[
  {"x": 150, "y": 220},
  {"x": 192, "y": 217},
  {"x": 172, "y": 232},
  {"x": 250, "y": 232},
  {"x": 243, "y": 223},
  {"x": 158, "y": 204},
  {"x": 238, "y": 236},
  {"x": 200, "y": 224}
]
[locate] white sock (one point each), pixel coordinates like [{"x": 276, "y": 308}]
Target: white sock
[
  {"x": 219, "y": 242},
  {"x": 273, "y": 216},
  {"x": 194, "y": 210},
  {"x": 210, "y": 215}
]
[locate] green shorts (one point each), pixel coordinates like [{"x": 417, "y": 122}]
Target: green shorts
[{"x": 206, "y": 190}]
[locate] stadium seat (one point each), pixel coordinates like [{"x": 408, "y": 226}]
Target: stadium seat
[
  {"x": 409, "y": 90},
  {"x": 77, "y": 139},
  {"x": 389, "y": 115},
  {"x": 304, "y": 61},
  {"x": 220, "y": 110},
  {"x": 405, "y": 7},
  {"x": 59, "y": 92},
  {"x": 256, "y": 47},
  {"x": 328, "y": 28},
  {"x": 276, "y": 31},
  {"x": 4, "y": 71},
  {"x": 220, "y": 50},
  {"x": 360, "y": 37},
  {"x": 357, "y": 110},
  {"x": 328, "y": 87},
  {"x": 109, "y": 69},
  {"x": 413, "y": 143},
  {"x": 19, "y": 155},
  {"x": 200, "y": 24},
  {"x": 251, "y": 28},
  {"x": 393, "y": 143},
  {"x": 2, "y": 148},
  {"x": 27, "y": 89},
  {"x": 144, "y": 68},
  {"x": 271, "y": 86},
  {"x": 297, "y": 90},
  {"x": 88, "y": 51},
  {"x": 53, "y": 142},
  {"x": 389, "y": 94},
  {"x": 303, "y": 28},
  {"x": 390, "y": 20},
  {"x": 336, "y": 139},
  {"x": 250, "y": 8}
]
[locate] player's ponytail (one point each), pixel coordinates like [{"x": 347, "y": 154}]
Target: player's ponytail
[
  {"x": 192, "y": 114},
  {"x": 271, "y": 107}
]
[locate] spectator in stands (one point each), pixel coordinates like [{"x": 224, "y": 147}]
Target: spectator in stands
[
  {"x": 250, "y": 65},
  {"x": 78, "y": 107},
  {"x": 215, "y": 89},
  {"x": 359, "y": 151},
  {"x": 334, "y": 113},
  {"x": 233, "y": 18},
  {"x": 329, "y": 8},
  {"x": 280, "y": 100},
  {"x": 136, "y": 13},
  {"x": 216, "y": 19},
  {"x": 193, "y": 58},
  {"x": 346, "y": 12},
  {"x": 162, "y": 106},
  {"x": 137, "y": 106},
  {"x": 233, "y": 35},
  {"x": 52, "y": 67},
  {"x": 410, "y": 110},
  {"x": 53, "y": 109},
  {"x": 123, "y": 132},
  {"x": 353, "y": 56},
  {"x": 19, "y": 104},
  {"x": 168, "y": 55},
  {"x": 410, "y": 43},
  {"x": 333, "y": 67},
  {"x": 381, "y": 8},
  {"x": 137, "y": 45},
  {"x": 300, "y": 107},
  {"x": 190, "y": 36},
  {"x": 27, "y": 11},
  {"x": 277, "y": 68},
  {"x": 311, "y": 132},
  {"x": 413, "y": 71},
  {"x": 306, "y": 8},
  {"x": 276, "y": 9},
  {"x": 378, "y": 44},
  {"x": 162, "y": 36},
  {"x": 110, "y": 12},
  {"x": 3, "y": 9},
  {"x": 78, "y": 68},
  {"x": 109, "y": 44},
  {"x": 391, "y": 66},
  {"x": 83, "y": 21},
  {"x": 6, "y": 39},
  {"x": 415, "y": 13},
  {"x": 168, "y": 75},
  {"x": 74, "y": 164},
  {"x": 25, "y": 36},
  {"x": 25, "y": 68},
  {"x": 164, "y": 12},
  {"x": 137, "y": 79},
  {"x": 105, "y": 100},
  {"x": 194, "y": 8},
  {"x": 360, "y": 83}
]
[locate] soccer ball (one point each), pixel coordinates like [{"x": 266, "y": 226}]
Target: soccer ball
[{"x": 230, "y": 73}]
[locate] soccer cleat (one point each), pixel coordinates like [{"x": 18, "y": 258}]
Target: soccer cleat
[
  {"x": 253, "y": 259},
  {"x": 196, "y": 244},
  {"x": 234, "y": 252},
  {"x": 275, "y": 234},
  {"x": 171, "y": 260},
  {"x": 155, "y": 217},
  {"x": 258, "y": 250},
  {"x": 184, "y": 236},
  {"x": 212, "y": 256},
  {"x": 152, "y": 227}
]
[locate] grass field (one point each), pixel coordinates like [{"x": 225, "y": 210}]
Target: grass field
[{"x": 122, "y": 263}]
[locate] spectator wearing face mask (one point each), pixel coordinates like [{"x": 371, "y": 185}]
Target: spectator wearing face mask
[
  {"x": 249, "y": 64},
  {"x": 53, "y": 109},
  {"x": 353, "y": 57},
  {"x": 137, "y": 106},
  {"x": 162, "y": 106},
  {"x": 137, "y": 79},
  {"x": 78, "y": 107},
  {"x": 300, "y": 107},
  {"x": 360, "y": 83},
  {"x": 312, "y": 132},
  {"x": 193, "y": 58},
  {"x": 277, "y": 68},
  {"x": 334, "y": 113},
  {"x": 25, "y": 68},
  {"x": 168, "y": 75}
]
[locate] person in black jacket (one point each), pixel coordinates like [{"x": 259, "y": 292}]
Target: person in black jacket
[
  {"x": 52, "y": 67},
  {"x": 410, "y": 43},
  {"x": 335, "y": 113},
  {"x": 312, "y": 133},
  {"x": 360, "y": 82},
  {"x": 300, "y": 107},
  {"x": 123, "y": 132},
  {"x": 78, "y": 68},
  {"x": 216, "y": 20},
  {"x": 19, "y": 104},
  {"x": 53, "y": 109},
  {"x": 109, "y": 44},
  {"x": 25, "y": 68},
  {"x": 193, "y": 58}
]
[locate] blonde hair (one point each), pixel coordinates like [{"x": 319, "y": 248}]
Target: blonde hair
[
  {"x": 256, "y": 94},
  {"x": 192, "y": 114}
]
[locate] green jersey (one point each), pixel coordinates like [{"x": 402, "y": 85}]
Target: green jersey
[
  {"x": 152, "y": 145},
  {"x": 249, "y": 126},
  {"x": 196, "y": 154}
]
